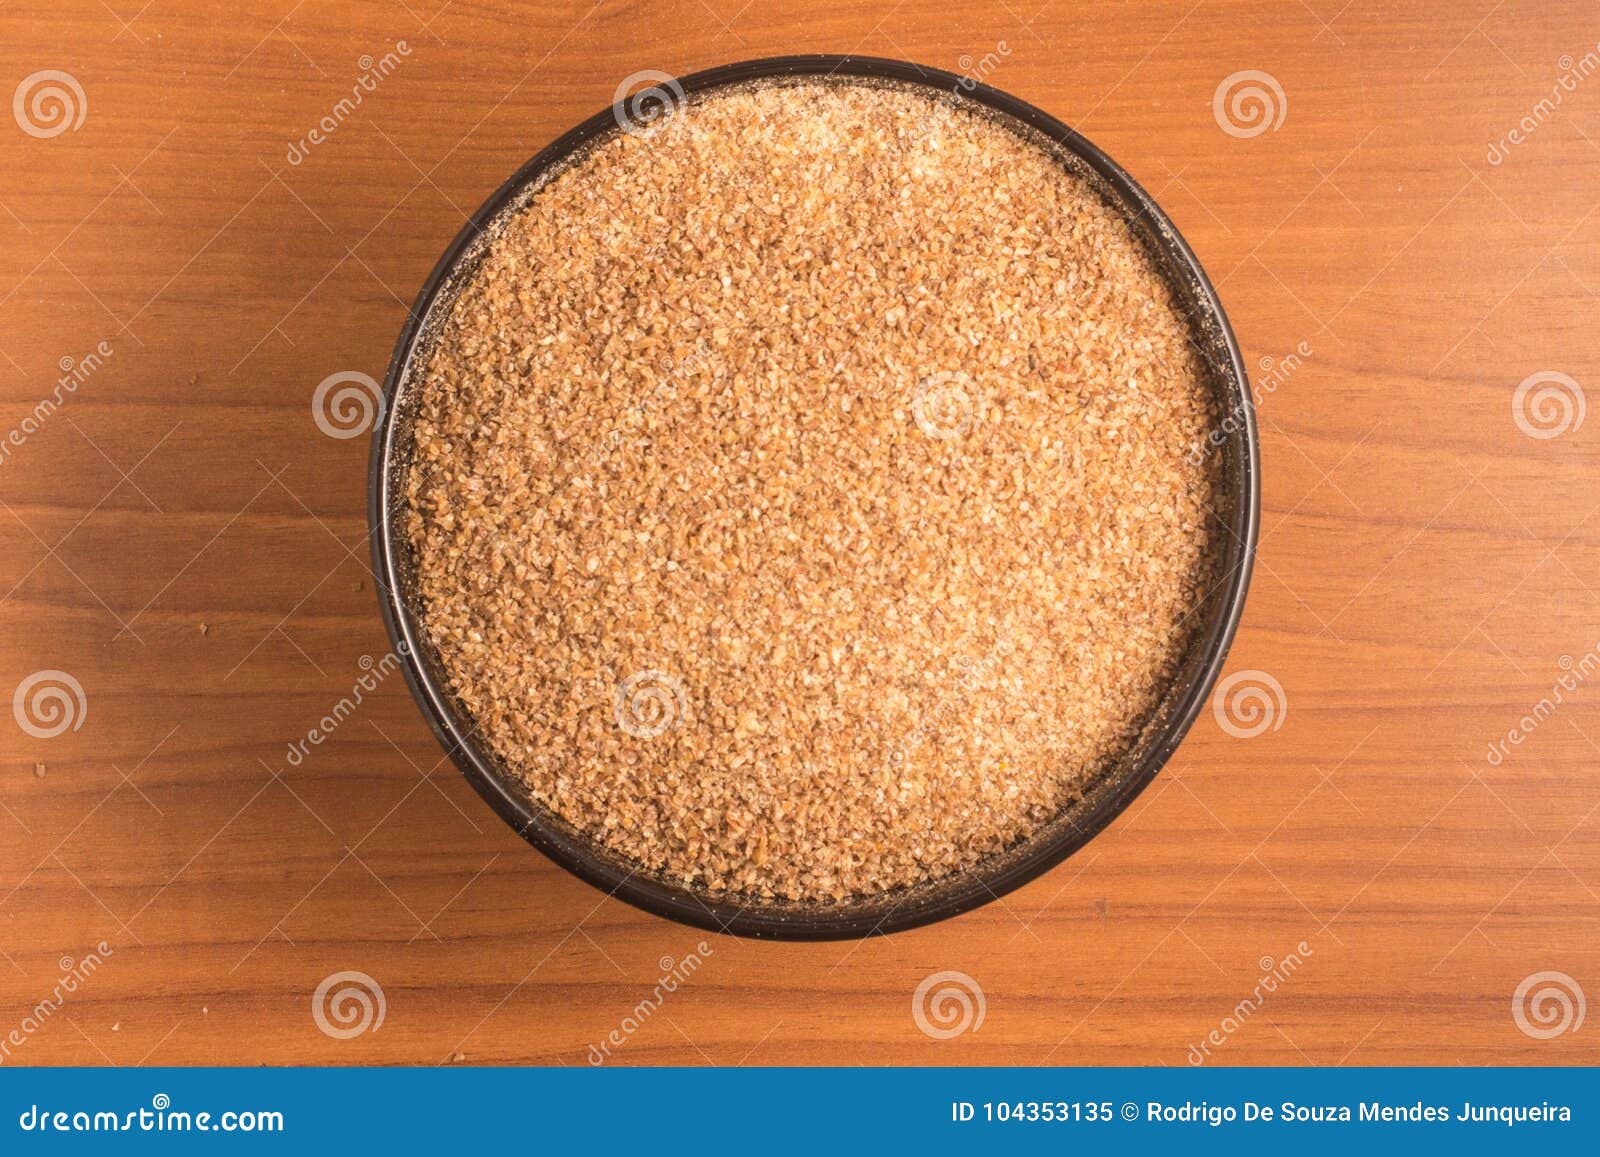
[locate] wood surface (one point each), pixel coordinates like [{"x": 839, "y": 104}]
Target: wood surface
[{"x": 184, "y": 541}]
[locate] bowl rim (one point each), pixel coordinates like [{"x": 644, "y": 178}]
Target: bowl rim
[{"x": 610, "y": 873}]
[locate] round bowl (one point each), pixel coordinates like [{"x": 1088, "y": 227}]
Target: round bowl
[{"x": 1235, "y": 442}]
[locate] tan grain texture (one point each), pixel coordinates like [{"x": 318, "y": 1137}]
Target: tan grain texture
[
  {"x": 809, "y": 496},
  {"x": 1424, "y": 566}
]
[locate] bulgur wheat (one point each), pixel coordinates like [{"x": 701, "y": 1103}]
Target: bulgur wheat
[{"x": 800, "y": 491}]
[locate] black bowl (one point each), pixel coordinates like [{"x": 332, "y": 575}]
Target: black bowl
[{"x": 1185, "y": 696}]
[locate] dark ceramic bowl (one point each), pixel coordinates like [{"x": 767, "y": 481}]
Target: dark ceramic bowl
[{"x": 992, "y": 878}]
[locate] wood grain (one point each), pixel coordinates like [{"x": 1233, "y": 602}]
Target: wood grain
[{"x": 182, "y": 539}]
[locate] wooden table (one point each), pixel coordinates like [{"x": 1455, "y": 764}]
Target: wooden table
[{"x": 180, "y": 537}]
